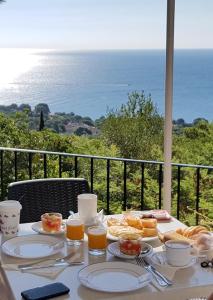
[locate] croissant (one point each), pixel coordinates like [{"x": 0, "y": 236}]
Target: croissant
[{"x": 192, "y": 231}]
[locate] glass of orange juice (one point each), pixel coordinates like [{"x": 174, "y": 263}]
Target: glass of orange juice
[
  {"x": 74, "y": 231},
  {"x": 97, "y": 241}
]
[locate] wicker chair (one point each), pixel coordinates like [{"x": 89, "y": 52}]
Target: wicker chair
[{"x": 47, "y": 195}]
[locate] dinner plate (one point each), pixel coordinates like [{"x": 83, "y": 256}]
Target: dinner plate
[
  {"x": 159, "y": 258},
  {"x": 114, "y": 249},
  {"x": 115, "y": 238},
  {"x": 32, "y": 246},
  {"x": 114, "y": 277},
  {"x": 37, "y": 227}
]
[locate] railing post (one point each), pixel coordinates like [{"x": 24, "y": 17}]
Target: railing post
[
  {"x": 76, "y": 166},
  {"x": 108, "y": 185},
  {"x": 159, "y": 183},
  {"x": 30, "y": 165},
  {"x": 59, "y": 166},
  {"x": 45, "y": 166},
  {"x": 178, "y": 194},
  {"x": 15, "y": 164},
  {"x": 91, "y": 173},
  {"x": 125, "y": 189},
  {"x": 197, "y": 195},
  {"x": 2, "y": 175},
  {"x": 142, "y": 186}
]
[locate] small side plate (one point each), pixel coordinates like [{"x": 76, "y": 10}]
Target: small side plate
[{"x": 113, "y": 248}]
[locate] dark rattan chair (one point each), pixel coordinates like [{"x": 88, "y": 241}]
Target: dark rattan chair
[{"x": 47, "y": 195}]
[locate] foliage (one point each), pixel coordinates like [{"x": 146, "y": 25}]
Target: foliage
[
  {"x": 136, "y": 129},
  {"x": 133, "y": 131}
]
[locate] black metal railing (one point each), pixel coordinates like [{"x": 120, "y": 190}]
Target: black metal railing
[{"x": 10, "y": 171}]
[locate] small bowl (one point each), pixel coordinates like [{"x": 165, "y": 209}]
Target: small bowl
[
  {"x": 51, "y": 222},
  {"x": 130, "y": 244}
]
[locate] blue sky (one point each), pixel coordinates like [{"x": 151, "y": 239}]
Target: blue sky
[{"x": 103, "y": 24}]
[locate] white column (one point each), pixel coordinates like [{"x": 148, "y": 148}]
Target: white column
[{"x": 168, "y": 105}]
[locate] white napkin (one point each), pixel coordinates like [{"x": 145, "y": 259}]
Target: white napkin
[
  {"x": 164, "y": 269},
  {"x": 9, "y": 263}
]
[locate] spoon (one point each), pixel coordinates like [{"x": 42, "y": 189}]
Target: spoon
[{"x": 145, "y": 250}]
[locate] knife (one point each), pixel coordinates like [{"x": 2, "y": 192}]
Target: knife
[
  {"x": 60, "y": 259},
  {"x": 57, "y": 264},
  {"x": 164, "y": 278}
]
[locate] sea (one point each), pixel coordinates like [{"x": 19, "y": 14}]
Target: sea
[{"x": 91, "y": 83}]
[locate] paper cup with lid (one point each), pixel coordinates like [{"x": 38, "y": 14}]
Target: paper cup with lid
[{"x": 10, "y": 217}]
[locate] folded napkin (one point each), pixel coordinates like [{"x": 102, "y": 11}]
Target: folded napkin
[{"x": 9, "y": 263}]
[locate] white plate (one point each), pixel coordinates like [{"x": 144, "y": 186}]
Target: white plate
[
  {"x": 32, "y": 246},
  {"x": 115, "y": 238},
  {"x": 113, "y": 248},
  {"x": 37, "y": 227},
  {"x": 159, "y": 258},
  {"x": 114, "y": 277}
]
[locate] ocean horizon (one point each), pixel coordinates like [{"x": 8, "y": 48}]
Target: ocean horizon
[{"x": 90, "y": 83}]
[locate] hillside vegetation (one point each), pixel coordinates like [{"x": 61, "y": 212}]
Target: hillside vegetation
[{"x": 133, "y": 131}]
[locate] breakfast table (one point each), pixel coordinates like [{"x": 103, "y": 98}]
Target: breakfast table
[{"x": 191, "y": 282}]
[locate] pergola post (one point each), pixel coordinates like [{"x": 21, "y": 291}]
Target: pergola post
[{"x": 168, "y": 105}]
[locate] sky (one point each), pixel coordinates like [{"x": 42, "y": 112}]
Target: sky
[{"x": 103, "y": 24}]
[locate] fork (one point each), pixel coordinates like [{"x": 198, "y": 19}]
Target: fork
[{"x": 161, "y": 280}]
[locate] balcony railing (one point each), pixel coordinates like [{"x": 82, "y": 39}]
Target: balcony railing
[{"x": 22, "y": 164}]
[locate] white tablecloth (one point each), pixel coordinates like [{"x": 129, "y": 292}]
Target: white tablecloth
[{"x": 190, "y": 282}]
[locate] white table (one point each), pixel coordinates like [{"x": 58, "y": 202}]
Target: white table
[{"x": 190, "y": 282}]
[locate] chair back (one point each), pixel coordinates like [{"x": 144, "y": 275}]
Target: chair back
[{"x": 47, "y": 195}]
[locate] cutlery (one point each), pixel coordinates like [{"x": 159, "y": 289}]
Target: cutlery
[
  {"x": 62, "y": 259},
  {"x": 56, "y": 264},
  {"x": 162, "y": 280}
]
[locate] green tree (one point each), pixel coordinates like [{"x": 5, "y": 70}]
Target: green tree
[
  {"x": 42, "y": 107},
  {"x": 136, "y": 128},
  {"x": 41, "y": 124}
]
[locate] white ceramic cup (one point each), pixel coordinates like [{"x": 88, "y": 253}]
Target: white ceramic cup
[
  {"x": 178, "y": 253},
  {"x": 87, "y": 208},
  {"x": 10, "y": 217}
]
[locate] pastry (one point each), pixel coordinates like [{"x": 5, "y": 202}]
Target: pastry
[
  {"x": 120, "y": 230},
  {"x": 192, "y": 232},
  {"x": 149, "y": 232},
  {"x": 133, "y": 221},
  {"x": 116, "y": 222},
  {"x": 149, "y": 223},
  {"x": 172, "y": 235}
]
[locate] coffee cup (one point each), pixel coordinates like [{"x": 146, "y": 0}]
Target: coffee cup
[
  {"x": 178, "y": 253},
  {"x": 10, "y": 217},
  {"x": 87, "y": 208}
]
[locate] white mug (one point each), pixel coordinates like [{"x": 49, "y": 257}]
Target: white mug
[{"x": 178, "y": 253}]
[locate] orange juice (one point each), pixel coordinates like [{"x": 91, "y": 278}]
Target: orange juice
[
  {"x": 97, "y": 238},
  {"x": 75, "y": 230}
]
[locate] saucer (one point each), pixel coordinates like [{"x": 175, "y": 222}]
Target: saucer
[
  {"x": 159, "y": 258},
  {"x": 37, "y": 227},
  {"x": 114, "y": 249}
]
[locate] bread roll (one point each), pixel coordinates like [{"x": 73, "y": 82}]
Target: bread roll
[
  {"x": 172, "y": 235},
  {"x": 149, "y": 223}
]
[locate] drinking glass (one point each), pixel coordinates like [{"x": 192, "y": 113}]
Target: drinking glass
[
  {"x": 74, "y": 231},
  {"x": 97, "y": 241}
]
